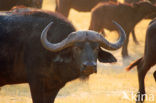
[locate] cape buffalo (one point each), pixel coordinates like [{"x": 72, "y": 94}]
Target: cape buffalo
[
  {"x": 147, "y": 61},
  {"x": 128, "y": 15},
  {"x": 64, "y": 6},
  {"x": 133, "y": 32},
  {"x": 47, "y": 57},
  {"x": 8, "y": 4}
]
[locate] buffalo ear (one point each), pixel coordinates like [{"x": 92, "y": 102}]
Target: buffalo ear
[{"x": 106, "y": 57}]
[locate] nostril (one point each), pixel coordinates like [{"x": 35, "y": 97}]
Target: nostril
[
  {"x": 85, "y": 64},
  {"x": 89, "y": 67},
  {"x": 89, "y": 64}
]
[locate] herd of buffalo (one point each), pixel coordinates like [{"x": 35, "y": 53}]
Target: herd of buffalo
[{"x": 43, "y": 48}]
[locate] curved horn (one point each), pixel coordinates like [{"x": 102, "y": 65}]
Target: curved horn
[
  {"x": 82, "y": 36},
  {"x": 54, "y": 47},
  {"x": 114, "y": 46}
]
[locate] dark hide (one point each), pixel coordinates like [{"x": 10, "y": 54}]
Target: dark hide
[
  {"x": 8, "y": 4},
  {"x": 127, "y": 15}
]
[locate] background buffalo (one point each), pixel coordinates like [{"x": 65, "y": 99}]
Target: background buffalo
[
  {"x": 64, "y": 6},
  {"x": 147, "y": 61},
  {"x": 8, "y": 4},
  {"x": 127, "y": 15}
]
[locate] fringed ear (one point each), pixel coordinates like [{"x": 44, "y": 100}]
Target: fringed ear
[{"x": 106, "y": 57}]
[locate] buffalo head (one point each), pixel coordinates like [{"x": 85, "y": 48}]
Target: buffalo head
[{"x": 86, "y": 48}]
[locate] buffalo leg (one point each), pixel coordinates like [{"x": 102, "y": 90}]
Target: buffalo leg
[
  {"x": 63, "y": 7},
  {"x": 154, "y": 74},
  {"x": 142, "y": 70},
  {"x": 125, "y": 46},
  {"x": 56, "y": 9},
  {"x": 41, "y": 93},
  {"x": 134, "y": 37}
]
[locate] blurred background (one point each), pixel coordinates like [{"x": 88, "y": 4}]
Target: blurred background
[{"x": 112, "y": 84}]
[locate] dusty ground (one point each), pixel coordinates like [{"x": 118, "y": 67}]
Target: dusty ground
[{"x": 112, "y": 84}]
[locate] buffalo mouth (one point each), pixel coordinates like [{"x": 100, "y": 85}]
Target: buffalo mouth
[{"x": 84, "y": 75}]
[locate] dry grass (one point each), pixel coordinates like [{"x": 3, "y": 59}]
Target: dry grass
[{"x": 107, "y": 86}]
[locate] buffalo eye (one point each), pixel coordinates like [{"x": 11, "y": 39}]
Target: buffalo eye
[
  {"x": 77, "y": 49},
  {"x": 96, "y": 49}
]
